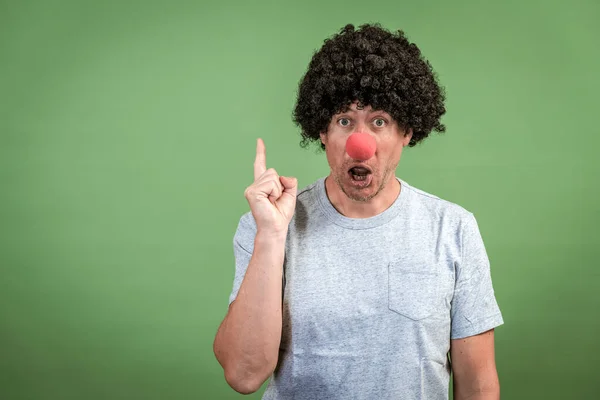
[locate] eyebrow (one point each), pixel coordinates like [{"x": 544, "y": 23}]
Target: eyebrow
[{"x": 369, "y": 112}]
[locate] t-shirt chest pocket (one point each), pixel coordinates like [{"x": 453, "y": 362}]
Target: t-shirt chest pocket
[{"x": 417, "y": 291}]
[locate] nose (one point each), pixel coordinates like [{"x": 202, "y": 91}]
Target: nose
[{"x": 361, "y": 146}]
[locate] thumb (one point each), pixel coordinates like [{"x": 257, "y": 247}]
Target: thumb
[
  {"x": 290, "y": 185},
  {"x": 287, "y": 201}
]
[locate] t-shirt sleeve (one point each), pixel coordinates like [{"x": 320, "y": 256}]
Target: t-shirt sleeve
[
  {"x": 474, "y": 306},
  {"x": 243, "y": 246}
]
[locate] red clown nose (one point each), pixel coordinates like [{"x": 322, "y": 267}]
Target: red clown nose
[{"x": 361, "y": 146}]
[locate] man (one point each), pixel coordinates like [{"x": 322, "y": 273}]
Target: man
[{"x": 360, "y": 286}]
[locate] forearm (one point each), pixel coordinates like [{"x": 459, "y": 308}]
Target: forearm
[
  {"x": 492, "y": 395},
  {"x": 490, "y": 392},
  {"x": 247, "y": 343}
]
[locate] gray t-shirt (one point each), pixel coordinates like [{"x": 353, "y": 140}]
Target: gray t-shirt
[{"x": 370, "y": 305}]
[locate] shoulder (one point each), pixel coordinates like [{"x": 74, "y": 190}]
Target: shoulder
[
  {"x": 436, "y": 208},
  {"x": 308, "y": 193}
]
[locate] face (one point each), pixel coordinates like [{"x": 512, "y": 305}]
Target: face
[{"x": 388, "y": 136}]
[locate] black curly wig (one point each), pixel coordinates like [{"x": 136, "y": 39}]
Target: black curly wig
[{"x": 377, "y": 68}]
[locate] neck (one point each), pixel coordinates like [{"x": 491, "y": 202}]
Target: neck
[{"x": 362, "y": 209}]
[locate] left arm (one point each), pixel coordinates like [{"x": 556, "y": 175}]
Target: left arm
[{"x": 474, "y": 367}]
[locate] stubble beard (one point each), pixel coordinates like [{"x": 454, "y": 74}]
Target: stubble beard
[{"x": 356, "y": 196}]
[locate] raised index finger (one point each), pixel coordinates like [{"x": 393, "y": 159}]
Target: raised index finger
[{"x": 260, "y": 163}]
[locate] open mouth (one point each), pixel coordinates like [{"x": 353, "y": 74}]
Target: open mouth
[{"x": 359, "y": 173}]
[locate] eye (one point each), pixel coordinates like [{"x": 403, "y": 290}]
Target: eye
[
  {"x": 344, "y": 122},
  {"x": 380, "y": 122}
]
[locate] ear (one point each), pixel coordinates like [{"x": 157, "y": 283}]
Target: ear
[
  {"x": 323, "y": 138},
  {"x": 407, "y": 136}
]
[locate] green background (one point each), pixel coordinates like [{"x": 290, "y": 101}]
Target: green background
[{"x": 128, "y": 133}]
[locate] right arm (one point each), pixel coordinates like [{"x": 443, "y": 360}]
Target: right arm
[{"x": 247, "y": 341}]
